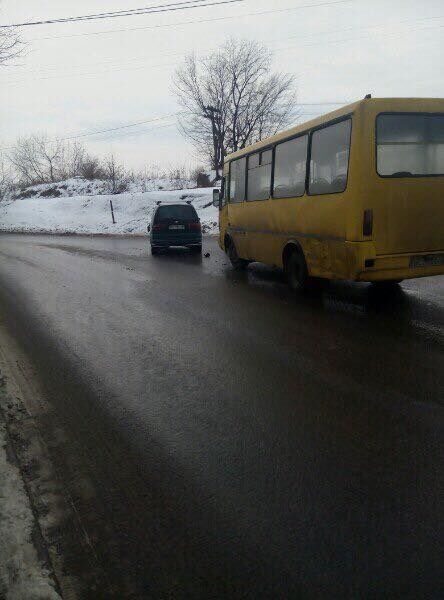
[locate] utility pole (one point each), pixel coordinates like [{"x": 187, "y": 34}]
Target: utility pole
[{"x": 210, "y": 113}]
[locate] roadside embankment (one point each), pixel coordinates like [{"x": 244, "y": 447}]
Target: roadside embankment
[{"x": 91, "y": 214}]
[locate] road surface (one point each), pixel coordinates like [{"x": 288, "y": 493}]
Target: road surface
[{"x": 238, "y": 440}]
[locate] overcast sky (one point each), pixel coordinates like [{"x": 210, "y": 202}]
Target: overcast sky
[{"x": 71, "y": 83}]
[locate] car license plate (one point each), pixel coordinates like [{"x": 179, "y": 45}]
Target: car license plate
[
  {"x": 177, "y": 227},
  {"x": 427, "y": 260}
]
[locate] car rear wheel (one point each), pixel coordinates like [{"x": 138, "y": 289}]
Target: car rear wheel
[
  {"x": 154, "y": 250},
  {"x": 196, "y": 249},
  {"x": 237, "y": 262}
]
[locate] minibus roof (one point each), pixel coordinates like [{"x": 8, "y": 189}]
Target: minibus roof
[{"x": 383, "y": 103}]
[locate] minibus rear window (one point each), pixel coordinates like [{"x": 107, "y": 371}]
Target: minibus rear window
[{"x": 410, "y": 145}]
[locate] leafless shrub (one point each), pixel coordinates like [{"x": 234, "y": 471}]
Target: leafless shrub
[
  {"x": 200, "y": 177},
  {"x": 231, "y": 99},
  {"x": 91, "y": 168},
  {"x": 115, "y": 175},
  {"x": 178, "y": 176}
]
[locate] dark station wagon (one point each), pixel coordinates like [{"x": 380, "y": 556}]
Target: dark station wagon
[{"x": 175, "y": 225}]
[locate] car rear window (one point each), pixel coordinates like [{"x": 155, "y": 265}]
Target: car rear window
[{"x": 177, "y": 212}]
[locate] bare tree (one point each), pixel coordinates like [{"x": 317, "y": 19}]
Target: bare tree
[
  {"x": 115, "y": 175},
  {"x": 75, "y": 159},
  {"x": 231, "y": 99},
  {"x": 38, "y": 159},
  {"x": 6, "y": 178}
]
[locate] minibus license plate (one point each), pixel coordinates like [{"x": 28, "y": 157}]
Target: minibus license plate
[
  {"x": 427, "y": 260},
  {"x": 177, "y": 227}
]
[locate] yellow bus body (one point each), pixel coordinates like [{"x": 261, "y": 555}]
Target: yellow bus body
[{"x": 407, "y": 212}]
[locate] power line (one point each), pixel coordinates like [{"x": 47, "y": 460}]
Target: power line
[
  {"x": 111, "y": 62},
  {"x": 111, "y": 70},
  {"x": 87, "y": 74},
  {"x": 161, "y": 8},
  {"x": 90, "y": 133},
  {"x": 79, "y": 135},
  {"x": 211, "y": 20}
]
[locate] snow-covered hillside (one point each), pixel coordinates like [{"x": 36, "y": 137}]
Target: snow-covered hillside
[{"x": 91, "y": 213}]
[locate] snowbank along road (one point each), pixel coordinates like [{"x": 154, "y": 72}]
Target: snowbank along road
[{"x": 81, "y": 209}]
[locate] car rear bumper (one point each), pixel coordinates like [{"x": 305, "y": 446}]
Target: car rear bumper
[{"x": 164, "y": 241}]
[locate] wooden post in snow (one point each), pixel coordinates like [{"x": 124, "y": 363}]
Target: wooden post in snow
[{"x": 112, "y": 211}]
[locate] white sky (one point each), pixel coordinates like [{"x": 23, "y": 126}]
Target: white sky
[{"x": 339, "y": 52}]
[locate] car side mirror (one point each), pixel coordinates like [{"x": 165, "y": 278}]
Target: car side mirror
[
  {"x": 216, "y": 198},
  {"x": 148, "y": 228}
]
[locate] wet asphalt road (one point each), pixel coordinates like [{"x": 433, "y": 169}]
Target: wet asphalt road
[{"x": 242, "y": 441}]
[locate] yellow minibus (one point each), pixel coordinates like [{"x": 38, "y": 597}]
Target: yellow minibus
[{"x": 355, "y": 194}]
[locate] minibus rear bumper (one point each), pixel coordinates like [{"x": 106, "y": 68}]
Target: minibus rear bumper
[{"x": 398, "y": 266}]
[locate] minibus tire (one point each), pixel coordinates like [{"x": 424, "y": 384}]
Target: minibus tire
[
  {"x": 297, "y": 272},
  {"x": 154, "y": 250},
  {"x": 387, "y": 283},
  {"x": 236, "y": 262},
  {"x": 196, "y": 249}
]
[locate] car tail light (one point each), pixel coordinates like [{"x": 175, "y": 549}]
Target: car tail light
[
  {"x": 159, "y": 227},
  {"x": 367, "y": 225},
  {"x": 195, "y": 226}
]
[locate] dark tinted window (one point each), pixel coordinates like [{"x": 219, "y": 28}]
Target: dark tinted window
[
  {"x": 290, "y": 168},
  {"x": 179, "y": 212},
  {"x": 237, "y": 180},
  {"x": 330, "y": 149},
  {"x": 409, "y": 145},
  {"x": 259, "y": 175}
]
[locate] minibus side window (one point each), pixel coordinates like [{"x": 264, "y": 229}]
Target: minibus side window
[
  {"x": 259, "y": 175},
  {"x": 290, "y": 169},
  {"x": 237, "y": 180},
  {"x": 330, "y": 150}
]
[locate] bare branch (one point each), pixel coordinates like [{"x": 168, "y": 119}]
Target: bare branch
[
  {"x": 230, "y": 99},
  {"x": 11, "y": 45}
]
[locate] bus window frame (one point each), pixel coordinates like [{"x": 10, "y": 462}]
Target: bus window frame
[
  {"x": 401, "y": 113},
  {"x": 244, "y": 156},
  {"x": 272, "y": 147},
  {"x": 290, "y": 139},
  {"x": 319, "y": 128},
  {"x": 260, "y": 152}
]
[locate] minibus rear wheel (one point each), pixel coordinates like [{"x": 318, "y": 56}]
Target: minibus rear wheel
[
  {"x": 297, "y": 272},
  {"x": 387, "y": 284},
  {"x": 237, "y": 262}
]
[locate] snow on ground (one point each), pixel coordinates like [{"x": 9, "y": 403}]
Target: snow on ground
[
  {"x": 21, "y": 574},
  {"x": 78, "y": 186},
  {"x": 84, "y": 213}
]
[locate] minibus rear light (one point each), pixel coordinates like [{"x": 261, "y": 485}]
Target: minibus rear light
[
  {"x": 367, "y": 226},
  {"x": 159, "y": 227}
]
